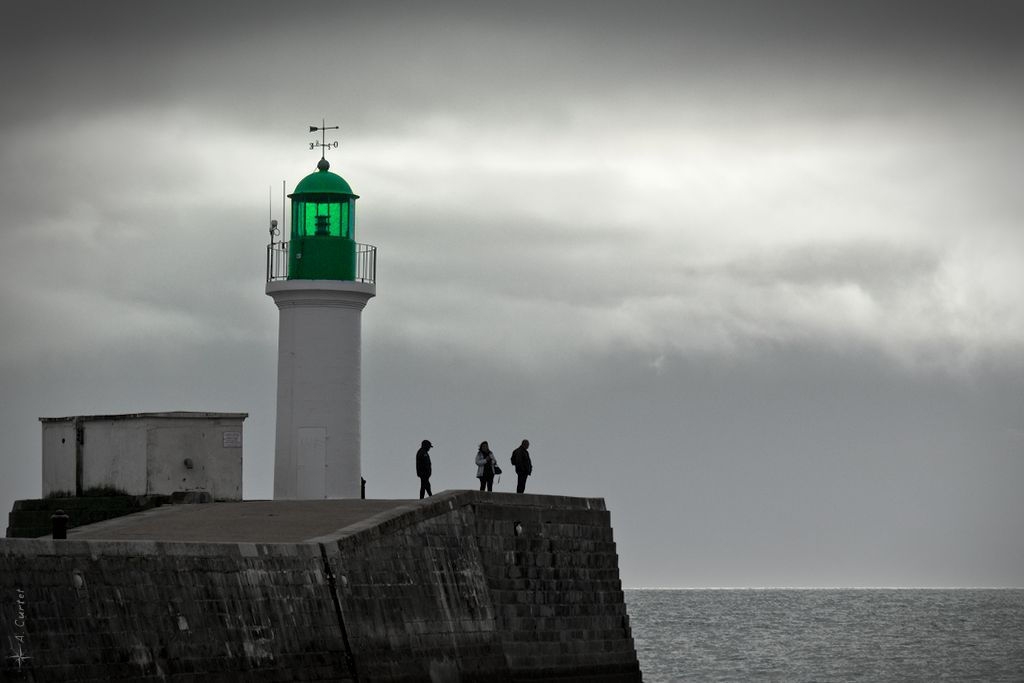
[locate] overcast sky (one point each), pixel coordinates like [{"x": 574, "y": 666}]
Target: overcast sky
[{"x": 752, "y": 272}]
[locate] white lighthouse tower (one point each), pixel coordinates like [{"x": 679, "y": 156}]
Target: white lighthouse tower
[{"x": 320, "y": 280}]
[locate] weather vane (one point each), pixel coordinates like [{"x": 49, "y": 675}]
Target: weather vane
[{"x": 323, "y": 144}]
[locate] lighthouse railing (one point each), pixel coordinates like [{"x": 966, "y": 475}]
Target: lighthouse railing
[
  {"x": 277, "y": 261},
  {"x": 366, "y": 262}
]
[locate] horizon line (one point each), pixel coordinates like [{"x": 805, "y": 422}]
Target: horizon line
[{"x": 815, "y": 588}]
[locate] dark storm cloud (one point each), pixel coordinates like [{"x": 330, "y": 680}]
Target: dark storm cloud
[{"x": 98, "y": 55}]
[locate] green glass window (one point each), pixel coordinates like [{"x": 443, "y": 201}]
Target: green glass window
[
  {"x": 348, "y": 217},
  {"x": 323, "y": 219}
]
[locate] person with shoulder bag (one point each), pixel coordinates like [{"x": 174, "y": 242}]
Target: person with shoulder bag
[{"x": 486, "y": 467}]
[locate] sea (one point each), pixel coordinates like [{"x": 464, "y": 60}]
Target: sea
[{"x": 828, "y": 634}]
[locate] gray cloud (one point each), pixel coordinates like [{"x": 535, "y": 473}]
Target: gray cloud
[{"x": 750, "y": 271}]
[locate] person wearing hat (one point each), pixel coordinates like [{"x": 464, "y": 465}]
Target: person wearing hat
[
  {"x": 423, "y": 469},
  {"x": 524, "y": 466}
]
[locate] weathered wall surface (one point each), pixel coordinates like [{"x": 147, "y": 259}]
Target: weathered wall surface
[
  {"x": 216, "y": 459},
  {"x": 59, "y": 457},
  {"x": 145, "y": 453},
  {"x": 114, "y": 454},
  {"x": 416, "y": 603},
  {"x": 465, "y": 587},
  {"x": 464, "y": 595},
  {"x": 92, "y": 611},
  {"x": 556, "y": 591}
]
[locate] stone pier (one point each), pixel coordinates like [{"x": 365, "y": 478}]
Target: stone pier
[{"x": 463, "y": 586}]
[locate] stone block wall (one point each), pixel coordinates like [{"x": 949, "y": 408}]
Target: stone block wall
[
  {"x": 463, "y": 587},
  {"x": 416, "y": 602},
  {"x": 142, "y": 611},
  {"x": 487, "y": 587},
  {"x": 554, "y": 580}
]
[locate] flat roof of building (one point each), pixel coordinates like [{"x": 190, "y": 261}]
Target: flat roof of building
[{"x": 169, "y": 415}]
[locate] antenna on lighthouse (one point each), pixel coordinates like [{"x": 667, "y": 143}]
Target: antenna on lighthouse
[{"x": 274, "y": 230}]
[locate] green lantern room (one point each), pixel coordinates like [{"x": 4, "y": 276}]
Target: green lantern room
[{"x": 322, "y": 244}]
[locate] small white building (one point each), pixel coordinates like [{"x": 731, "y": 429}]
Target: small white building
[{"x": 145, "y": 453}]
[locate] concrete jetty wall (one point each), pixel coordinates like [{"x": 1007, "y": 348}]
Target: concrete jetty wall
[{"x": 463, "y": 587}]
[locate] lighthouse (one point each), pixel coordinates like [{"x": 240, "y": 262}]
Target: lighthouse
[{"x": 320, "y": 278}]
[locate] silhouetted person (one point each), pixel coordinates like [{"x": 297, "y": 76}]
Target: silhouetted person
[
  {"x": 485, "y": 464},
  {"x": 524, "y": 466},
  {"x": 423, "y": 468}
]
